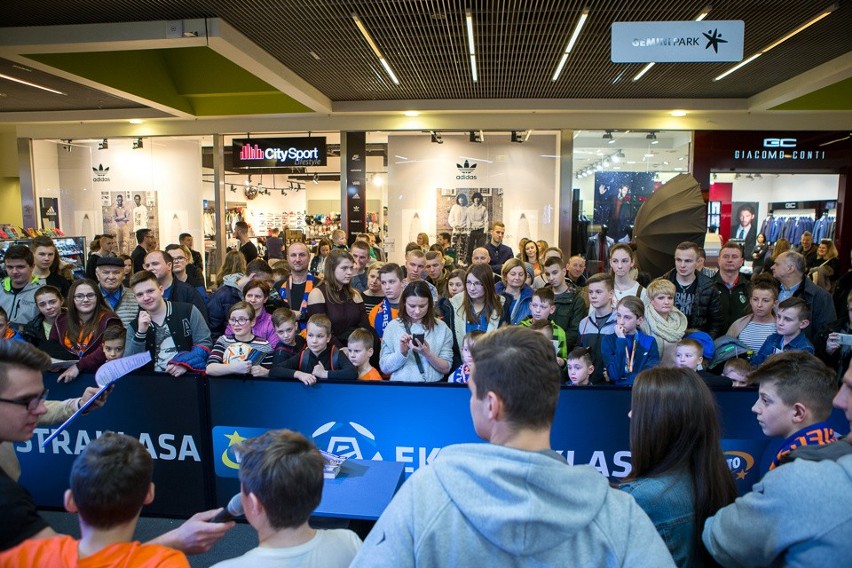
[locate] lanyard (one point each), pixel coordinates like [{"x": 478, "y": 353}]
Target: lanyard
[{"x": 629, "y": 355}]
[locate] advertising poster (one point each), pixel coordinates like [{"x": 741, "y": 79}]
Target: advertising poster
[
  {"x": 124, "y": 212},
  {"x": 467, "y": 213},
  {"x": 744, "y": 224},
  {"x": 49, "y": 208},
  {"x": 618, "y": 196}
]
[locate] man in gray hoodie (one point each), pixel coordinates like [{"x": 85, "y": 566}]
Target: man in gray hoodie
[
  {"x": 17, "y": 290},
  {"x": 514, "y": 500}
]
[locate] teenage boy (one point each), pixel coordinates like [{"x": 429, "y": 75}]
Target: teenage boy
[
  {"x": 281, "y": 479},
  {"x": 791, "y": 317},
  {"x": 415, "y": 267},
  {"x": 110, "y": 482},
  {"x": 17, "y": 291},
  {"x": 497, "y": 251},
  {"x": 110, "y": 274},
  {"x": 248, "y": 248},
  {"x": 160, "y": 264},
  {"x": 359, "y": 349},
  {"x": 360, "y": 251},
  {"x": 298, "y": 286},
  {"x": 733, "y": 286},
  {"x": 600, "y": 322},
  {"x": 318, "y": 360},
  {"x": 390, "y": 275},
  {"x": 695, "y": 294},
  {"x": 570, "y": 307},
  {"x": 512, "y": 498},
  {"x": 146, "y": 242},
  {"x": 173, "y": 332},
  {"x": 435, "y": 272},
  {"x": 799, "y": 513},
  {"x": 542, "y": 306},
  {"x": 290, "y": 343}
]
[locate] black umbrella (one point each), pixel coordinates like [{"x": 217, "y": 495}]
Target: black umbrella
[{"x": 674, "y": 213}]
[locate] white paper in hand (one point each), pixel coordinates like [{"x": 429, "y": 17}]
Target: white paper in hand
[{"x": 113, "y": 370}]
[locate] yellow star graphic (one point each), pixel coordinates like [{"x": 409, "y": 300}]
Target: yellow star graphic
[
  {"x": 742, "y": 474},
  {"x": 234, "y": 438}
]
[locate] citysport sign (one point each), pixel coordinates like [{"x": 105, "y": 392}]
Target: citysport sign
[
  {"x": 253, "y": 153},
  {"x": 673, "y": 42}
]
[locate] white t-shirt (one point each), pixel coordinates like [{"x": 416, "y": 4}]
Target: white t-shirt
[
  {"x": 333, "y": 548},
  {"x": 619, "y": 294}
]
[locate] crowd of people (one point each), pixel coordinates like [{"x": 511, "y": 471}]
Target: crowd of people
[{"x": 537, "y": 316}]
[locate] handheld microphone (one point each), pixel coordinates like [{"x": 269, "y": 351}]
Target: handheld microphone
[{"x": 232, "y": 510}]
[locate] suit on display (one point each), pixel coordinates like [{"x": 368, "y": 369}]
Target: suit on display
[{"x": 597, "y": 250}]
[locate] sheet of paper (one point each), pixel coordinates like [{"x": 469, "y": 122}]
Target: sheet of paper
[{"x": 113, "y": 370}]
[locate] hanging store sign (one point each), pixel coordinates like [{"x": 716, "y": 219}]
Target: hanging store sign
[
  {"x": 673, "y": 42},
  {"x": 279, "y": 152}
]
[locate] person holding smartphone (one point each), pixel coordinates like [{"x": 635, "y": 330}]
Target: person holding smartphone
[{"x": 416, "y": 347}]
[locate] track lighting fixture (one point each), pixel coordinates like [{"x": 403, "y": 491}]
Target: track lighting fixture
[
  {"x": 137, "y": 144},
  {"x": 103, "y": 144},
  {"x": 436, "y": 138}
]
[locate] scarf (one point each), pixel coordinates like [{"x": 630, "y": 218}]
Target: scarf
[{"x": 670, "y": 330}]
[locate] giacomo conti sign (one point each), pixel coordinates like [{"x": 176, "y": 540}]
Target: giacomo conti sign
[
  {"x": 279, "y": 152},
  {"x": 690, "y": 41}
]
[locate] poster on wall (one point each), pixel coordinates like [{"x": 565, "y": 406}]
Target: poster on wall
[
  {"x": 618, "y": 196},
  {"x": 467, "y": 213},
  {"x": 744, "y": 224},
  {"x": 124, "y": 212},
  {"x": 49, "y": 207}
]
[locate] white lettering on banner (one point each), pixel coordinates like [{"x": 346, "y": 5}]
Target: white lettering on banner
[
  {"x": 779, "y": 155},
  {"x": 668, "y": 41},
  {"x": 779, "y": 142},
  {"x": 598, "y": 460},
  {"x": 165, "y": 447}
]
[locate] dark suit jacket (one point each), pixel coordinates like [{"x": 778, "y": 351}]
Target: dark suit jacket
[{"x": 183, "y": 292}]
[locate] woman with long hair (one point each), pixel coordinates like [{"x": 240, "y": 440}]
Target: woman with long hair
[
  {"x": 234, "y": 263},
  {"x": 530, "y": 254},
  {"x": 479, "y": 307},
  {"x": 781, "y": 245},
  {"x": 416, "y": 347},
  {"x": 336, "y": 298},
  {"x": 318, "y": 261},
  {"x": 622, "y": 261},
  {"x": 79, "y": 332},
  {"x": 758, "y": 254},
  {"x": 517, "y": 294},
  {"x": 827, "y": 270},
  {"x": 679, "y": 475}
]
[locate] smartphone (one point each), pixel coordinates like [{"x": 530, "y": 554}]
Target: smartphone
[
  {"x": 844, "y": 338},
  {"x": 421, "y": 337}
]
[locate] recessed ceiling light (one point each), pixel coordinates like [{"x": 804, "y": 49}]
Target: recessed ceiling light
[
  {"x": 136, "y": 121},
  {"x": 412, "y": 113},
  {"x": 678, "y": 112}
]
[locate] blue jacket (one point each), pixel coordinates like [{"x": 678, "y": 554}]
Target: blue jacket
[
  {"x": 220, "y": 303},
  {"x": 776, "y": 342},
  {"x": 615, "y": 349},
  {"x": 515, "y": 311},
  {"x": 591, "y": 337}
]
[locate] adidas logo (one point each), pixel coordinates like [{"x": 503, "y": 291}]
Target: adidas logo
[
  {"x": 100, "y": 173},
  {"x": 466, "y": 167}
]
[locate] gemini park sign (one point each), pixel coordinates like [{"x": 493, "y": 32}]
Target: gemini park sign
[
  {"x": 673, "y": 42},
  {"x": 279, "y": 152}
]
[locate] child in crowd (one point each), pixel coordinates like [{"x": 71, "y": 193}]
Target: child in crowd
[
  {"x": 542, "y": 306},
  {"x": 570, "y": 306},
  {"x": 628, "y": 351},
  {"x": 580, "y": 366},
  {"x": 455, "y": 283},
  {"x": 374, "y": 292},
  {"x": 7, "y": 332},
  {"x": 48, "y": 300},
  {"x": 791, "y": 317},
  {"x": 359, "y": 349},
  {"x": 391, "y": 278},
  {"x": 462, "y": 374},
  {"x": 114, "y": 338},
  {"x": 290, "y": 343},
  {"x": 599, "y": 323},
  {"x": 663, "y": 320},
  {"x": 110, "y": 482},
  {"x": 318, "y": 360},
  {"x": 737, "y": 370},
  {"x": 242, "y": 353},
  {"x": 689, "y": 353},
  {"x": 794, "y": 401}
]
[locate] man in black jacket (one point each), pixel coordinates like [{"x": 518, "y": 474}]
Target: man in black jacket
[
  {"x": 160, "y": 263},
  {"x": 733, "y": 285},
  {"x": 790, "y": 268},
  {"x": 695, "y": 294},
  {"x": 146, "y": 242}
]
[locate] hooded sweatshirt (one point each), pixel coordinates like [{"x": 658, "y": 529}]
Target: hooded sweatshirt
[
  {"x": 489, "y": 505},
  {"x": 228, "y": 294}
]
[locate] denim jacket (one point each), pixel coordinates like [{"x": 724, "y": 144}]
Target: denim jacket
[{"x": 669, "y": 502}]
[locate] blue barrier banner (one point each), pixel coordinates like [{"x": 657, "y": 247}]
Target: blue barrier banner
[{"x": 166, "y": 414}]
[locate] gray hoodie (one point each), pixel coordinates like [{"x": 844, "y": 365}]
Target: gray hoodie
[
  {"x": 21, "y": 307},
  {"x": 489, "y": 505}
]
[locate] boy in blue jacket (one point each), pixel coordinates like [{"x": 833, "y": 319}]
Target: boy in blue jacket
[
  {"x": 792, "y": 316},
  {"x": 628, "y": 351}
]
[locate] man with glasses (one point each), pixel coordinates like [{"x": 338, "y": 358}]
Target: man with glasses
[
  {"x": 146, "y": 243},
  {"x": 175, "y": 333},
  {"x": 161, "y": 263},
  {"x": 110, "y": 275}
]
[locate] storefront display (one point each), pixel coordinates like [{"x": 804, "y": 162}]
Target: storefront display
[{"x": 72, "y": 250}]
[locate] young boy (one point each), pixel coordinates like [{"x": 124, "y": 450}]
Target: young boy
[
  {"x": 689, "y": 353},
  {"x": 663, "y": 320},
  {"x": 110, "y": 482},
  {"x": 794, "y": 400},
  {"x": 318, "y": 360},
  {"x": 791, "y": 317},
  {"x": 600, "y": 322},
  {"x": 542, "y": 307},
  {"x": 281, "y": 478},
  {"x": 462, "y": 374},
  {"x": 580, "y": 366},
  {"x": 570, "y": 307},
  {"x": 359, "y": 349},
  {"x": 628, "y": 351},
  {"x": 737, "y": 370},
  {"x": 113, "y": 342},
  {"x": 6, "y": 331},
  {"x": 290, "y": 343},
  {"x": 391, "y": 277}
]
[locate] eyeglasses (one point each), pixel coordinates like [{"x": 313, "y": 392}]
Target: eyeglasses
[
  {"x": 82, "y": 297},
  {"x": 30, "y": 403},
  {"x": 472, "y": 284},
  {"x": 238, "y": 321}
]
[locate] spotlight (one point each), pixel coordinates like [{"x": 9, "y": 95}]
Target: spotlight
[
  {"x": 517, "y": 137},
  {"x": 476, "y": 136},
  {"x": 315, "y": 178},
  {"x": 436, "y": 138},
  {"x": 137, "y": 144},
  {"x": 67, "y": 145},
  {"x": 103, "y": 144},
  {"x": 608, "y": 137},
  {"x": 652, "y": 136}
]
